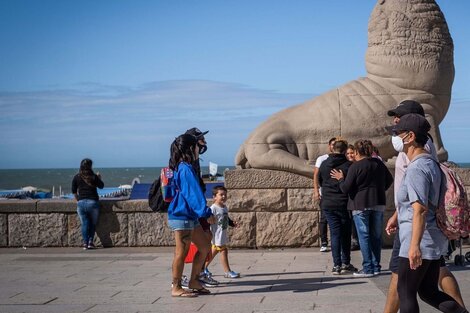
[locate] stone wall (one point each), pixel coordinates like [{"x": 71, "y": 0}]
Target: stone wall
[{"x": 273, "y": 208}]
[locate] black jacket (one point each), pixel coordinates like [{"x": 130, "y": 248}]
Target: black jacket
[
  {"x": 85, "y": 191},
  {"x": 332, "y": 198},
  {"x": 366, "y": 183}
]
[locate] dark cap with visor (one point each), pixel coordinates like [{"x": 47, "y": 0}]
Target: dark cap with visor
[{"x": 411, "y": 122}]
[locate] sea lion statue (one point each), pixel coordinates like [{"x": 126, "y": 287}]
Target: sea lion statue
[{"x": 409, "y": 56}]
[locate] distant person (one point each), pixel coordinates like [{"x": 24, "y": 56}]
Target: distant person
[
  {"x": 422, "y": 243},
  {"x": 220, "y": 231},
  {"x": 188, "y": 205},
  {"x": 365, "y": 184},
  {"x": 350, "y": 154},
  {"x": 317, "y": 197},
  {"x": 334, "y": 204},
  {"x": 84, "y": 185}
]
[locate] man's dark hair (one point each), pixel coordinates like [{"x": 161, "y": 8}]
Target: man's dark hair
[
  {"x": 340, "y": 146},
  {"x": 331, "y": 140}
]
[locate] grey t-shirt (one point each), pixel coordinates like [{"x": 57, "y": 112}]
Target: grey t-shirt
[{"x": 421, "y": 183}]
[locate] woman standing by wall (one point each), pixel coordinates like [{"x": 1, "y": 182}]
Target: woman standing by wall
[{"x": 84, "y": 186}]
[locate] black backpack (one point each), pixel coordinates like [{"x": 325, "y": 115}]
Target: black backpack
[{"x": 156, "y": 202}]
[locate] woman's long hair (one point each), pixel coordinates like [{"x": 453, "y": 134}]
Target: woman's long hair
[
  {"x": 364, "y": 147},
  {"x": 86, "y": 173},
  {"x": 182, "y": 150}
]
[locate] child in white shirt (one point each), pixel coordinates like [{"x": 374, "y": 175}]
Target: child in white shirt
[{"x": 219, "y": 230}]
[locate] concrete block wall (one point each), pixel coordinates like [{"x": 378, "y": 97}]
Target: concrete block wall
[{"x": 273, "y": 208}]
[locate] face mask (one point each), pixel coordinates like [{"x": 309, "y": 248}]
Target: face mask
[
  {"x": 202, "y": 148},
  {"x": 398, "y": 143}
]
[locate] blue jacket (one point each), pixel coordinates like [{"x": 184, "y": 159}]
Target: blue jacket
[{"x": 189, "y": 202}]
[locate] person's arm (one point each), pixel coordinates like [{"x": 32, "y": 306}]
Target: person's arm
[
  {"x": 191, "y": 191},
  {"x": 345, "y": 183},
  {"x": 75, "y": 188},
  {"x": 98, "y": 182},
  {"x": 388, "y": 178},
  {"x": 419, "y": 220},
  {"x": 392, "y": 224},
  {"x": 316, "y": 185}
]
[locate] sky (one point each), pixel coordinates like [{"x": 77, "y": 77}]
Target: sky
[{"x": 117, "y": 81}]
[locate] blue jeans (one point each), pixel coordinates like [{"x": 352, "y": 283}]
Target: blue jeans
[
  {"x": 339, "y": 222},
  {"x": 369, "y": 225},
  {"x": 88, "y": 210}
]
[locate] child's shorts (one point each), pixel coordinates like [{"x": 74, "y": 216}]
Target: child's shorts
[{"x": 219, "y": 248}]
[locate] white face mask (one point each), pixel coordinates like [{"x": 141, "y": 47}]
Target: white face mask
[{"x": 398, "y": 143}]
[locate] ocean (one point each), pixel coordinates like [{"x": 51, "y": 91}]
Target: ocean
[{"x": 61, "y": 178}]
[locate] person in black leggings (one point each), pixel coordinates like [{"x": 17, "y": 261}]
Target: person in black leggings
[{"x": 422, "y": 243}]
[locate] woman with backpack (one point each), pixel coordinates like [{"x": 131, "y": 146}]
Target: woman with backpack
[
  {"x": 187, "y": 206},
  {"x": 422, "y": 242}
]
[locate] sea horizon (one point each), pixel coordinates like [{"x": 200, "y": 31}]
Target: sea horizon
[{"x": 60, "y": 179}]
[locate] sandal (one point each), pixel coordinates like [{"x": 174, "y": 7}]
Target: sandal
[
  {"x": 185, "y": 294},
  {"x": 201, "y": 291}
]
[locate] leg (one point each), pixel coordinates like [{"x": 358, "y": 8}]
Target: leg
[
  {"x": 429, "y": 292},
  {"x": 323, "y": 229},
  {"x": 212, "y": 256},
  {"x": 202, "y": 244},
  {"x": 345, "y": 238},
  {"x": 81, "y": 211},
  {"x": 208, "y": 257},
  {"x": 449, "y": 284},
  {"x": 224, "y": 260},
  {"x": 182, "y": 240},
  {"x": 94, "y": 214},
  {"x": 362, "y": 226},
  {"x": 375, "y": 228},
  {"x": 334, "y": 221},
  {"x": 354, "y": 238},
  {"x": 393, "y": 304},
  {"x": 408, "y": 283}
]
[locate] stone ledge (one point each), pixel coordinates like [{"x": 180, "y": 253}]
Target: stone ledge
[
  {"x": 18, "y": 206},
  {"x": 265, "y": 179}
]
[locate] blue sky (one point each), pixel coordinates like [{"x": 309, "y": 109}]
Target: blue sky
[{"x": 116, "y": 81}]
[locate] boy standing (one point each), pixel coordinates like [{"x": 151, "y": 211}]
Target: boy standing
[{"x": 219, "y": 230}]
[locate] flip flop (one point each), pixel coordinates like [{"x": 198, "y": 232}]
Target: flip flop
[
  {"x": 185, "y": 294},
  {"x": 201, "y": 291}
]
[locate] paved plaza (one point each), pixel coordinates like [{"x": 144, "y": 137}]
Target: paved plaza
[{"x": 138, "y": 280}]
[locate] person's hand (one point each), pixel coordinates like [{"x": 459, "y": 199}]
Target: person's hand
[
  {"x": 236, "y": 224},
  {"x": 98, "y": 174},
  {"x": 414, "y": 255},
  {"x": 316, "y": 195},
  {"x": 337, "y": 174},
  {"x": 211, "y": 219},
  {"x": 392, "y": 225}
]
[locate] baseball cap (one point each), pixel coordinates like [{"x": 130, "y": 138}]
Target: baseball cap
[
  {"x": 411, "y": 122},
  {"x": 196, "y": 132},
  {"x": 407, "y": 107}
]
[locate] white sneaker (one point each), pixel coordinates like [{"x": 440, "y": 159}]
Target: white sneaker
[
  {"x": 324, "y": 249},
  {"x": 362, "y": 274}
]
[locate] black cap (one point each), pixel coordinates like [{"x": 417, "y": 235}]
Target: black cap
[
  {"x": 407, "y": 107},
  {"x": 196, "y": 132},
  {"x": 411, "y": 122}
]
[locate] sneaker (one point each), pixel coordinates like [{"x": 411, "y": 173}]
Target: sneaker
[
  {"x": 336, "y": 270},
  {"x": 362, "y": 274},
  {"x": 208, "y": 281},
  {"x": 91, "y": 246},
  {"x": 207, "y": 272},
  {"x": 324, "y": 249},
  {"x": 348, "y": 269},
  {"x": 232, "y": 274},
  {"x": 376, "y": 273},
  {"x": 84, "y": 246},
  {"x": 184, "y": 282}
]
